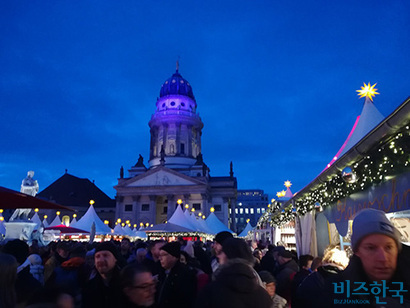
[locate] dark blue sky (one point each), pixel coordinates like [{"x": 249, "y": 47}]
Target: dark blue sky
[{"x": 274, "y": 81}]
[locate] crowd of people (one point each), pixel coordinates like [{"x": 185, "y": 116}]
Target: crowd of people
[{"x": 227, "y": 272}]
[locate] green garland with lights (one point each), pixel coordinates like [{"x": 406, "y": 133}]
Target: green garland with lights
[{"x": 388, "y": 159}]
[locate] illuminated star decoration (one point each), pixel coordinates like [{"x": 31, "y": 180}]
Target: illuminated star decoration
[
  {"x": 367, "y": 91},
  {"x": 288, "y": 184}
]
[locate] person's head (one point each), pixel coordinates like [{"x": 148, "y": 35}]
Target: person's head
[
  {"x": 184, "y": 257},
  {"x": 105, "y": 258},
  {"x": 269, "y": 282},
  {"x": 169, "y": 255},
  {"x": 155, "y": 249},
  {"x": 335, "y": 257},
  {"x": 219, "y": 240},
  {"x": 305, "y": 261},
  {"x": 125, "y": 244},
  {"x": 237, "y": 248},
  {"x": 78, "y": 251},
  {"x": 257, "y": 254},
  {"x": 18, "y": 249},
  {"x": 284, "y": 256},
  {"x": 377, "y": 243},
  {"x": 140, "y": 254},
  {"x": 138, "y": 285},
  {"x": 63, "y": 249},
  {"x": 317, "y": 261},
  {"x": 276, "y": 250}
]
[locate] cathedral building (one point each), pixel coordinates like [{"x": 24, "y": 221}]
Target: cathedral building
[{"x": 176, "y": 174}]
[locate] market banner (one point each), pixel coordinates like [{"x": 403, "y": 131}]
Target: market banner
[{"x": 391, "y": 196}]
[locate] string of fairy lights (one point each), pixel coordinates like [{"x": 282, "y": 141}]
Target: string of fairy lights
[{"x": 389, "y": 158}]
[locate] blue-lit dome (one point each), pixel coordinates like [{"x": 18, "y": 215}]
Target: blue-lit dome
[{"x": 176, "y": 85}]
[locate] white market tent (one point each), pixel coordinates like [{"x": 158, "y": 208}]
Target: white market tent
[
  {"x": 215, "y": 225},
  {"x": 118, "y": 230},
  {"x": 88, "y": 219},
  {"x": 73, "y": 221},
  {"x": 45, "y": 223},
  {"x": 245, "y": 231},
  {"x": 369, "y": 118},
  {"x": 178, "y": 218},
  {"x": 56, "y": 221},
  {"x": 36, "y": 219}
]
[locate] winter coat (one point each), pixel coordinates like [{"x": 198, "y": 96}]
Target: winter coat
[
  {"x": 314, "y": 288},
  {"x": 96, "y": 294},
  {"x": 177, "y": 288},
  {"x": 235, "y": 286},
  {"x": 284, "y": 278}
]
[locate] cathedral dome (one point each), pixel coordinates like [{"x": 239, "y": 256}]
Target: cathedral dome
[{"x": 176, "y": 85}]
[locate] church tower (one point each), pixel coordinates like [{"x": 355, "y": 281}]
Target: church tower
[{"x": 175, "y": 126}]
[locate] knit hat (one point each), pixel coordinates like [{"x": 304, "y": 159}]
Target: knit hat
[
  {"x": 17, "y": 248},
  {"x": 109, "y": 247},
  {"x": 285, "y": 254},
  {"x": 267, "y": 277},
  {"x": 222, "y": 236},
  {"x": 371, "y": 221},
  {"x": 173, "y": 248},
  {"x": 237, "y": 248}
]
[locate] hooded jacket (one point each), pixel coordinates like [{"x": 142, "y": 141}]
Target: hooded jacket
[{"x": 236, "y": 286}]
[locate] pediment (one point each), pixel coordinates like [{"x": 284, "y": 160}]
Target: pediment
[{"x": 162, "y": 177}]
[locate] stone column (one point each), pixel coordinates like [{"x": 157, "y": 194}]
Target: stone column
[{"x": 171, "y": 205}]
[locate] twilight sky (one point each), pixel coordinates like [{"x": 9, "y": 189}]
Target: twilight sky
[{"x": 274, "y": 81}]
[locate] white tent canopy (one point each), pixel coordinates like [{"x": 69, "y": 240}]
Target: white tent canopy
[
  {"x": 245, "y": 231},
  {"x": 56, "y": 221},
  {"x": 215, "y": 225},
  {"x": 36, "y": 219},
  {"x": 88, "y": 219},
  {"x": 179, "y": 219},
  {"x": 118, "y": 230}
]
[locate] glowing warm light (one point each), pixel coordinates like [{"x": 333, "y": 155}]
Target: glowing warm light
[
  {"x": 119, "y": 220},
  {"x": 288, "y": 184},
  {"x": 199, "y": 214},
  {"x": 283, "y": 193},
  {"x": 74, "y": 215},
  {"x": 123, "y": 224},
  {"x": 147, "y": 224},
  {"x": 106, "y": 222},
  {"x": 192, "y": 210},
  {"x": 1, "y": 218},
  {"x": 187, "y": 206},
  {"x": 367, "y": 91},
  {"x": 45, "y": 216},
  {"x": 248, "y": 220},
  {"x": 273, "y": 200},
  {"x": 152, "y": 225},
  {"x": 212, "y": 209},
  {"x": 269, "y": 205},
  {"x": 141, "y": 224},
  {"x": 58, "y": 213},
  {"x": 179, "y": 201},
  {"x": 135, "y": 225},
  {"x": 203, "y": 216},
  {"x": 127, "y": 222},
  {"x": 279, "y": 194},
  {"x": 92, "y": 202},
  {"x": 36, "y": 210}
]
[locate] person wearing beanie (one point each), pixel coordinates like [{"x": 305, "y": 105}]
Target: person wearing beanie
[
  {"x": 235, "y": 284},
  {"x": 104, "y": 287},
  {"x": 379, "y": 257},
  {"x": 270, "y": 285},
  {"x": 177, "y": 284},
  {"x": 285, "y": 272},
  {"x": 217, "y": 248}
]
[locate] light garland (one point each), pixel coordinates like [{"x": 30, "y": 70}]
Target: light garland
[{"x": 390, "y": 158}]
